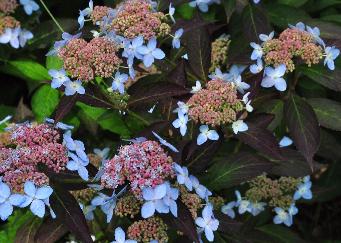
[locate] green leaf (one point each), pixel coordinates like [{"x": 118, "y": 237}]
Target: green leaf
[
  {"x": 44, "y": 102},
  {"x": 9, "y": 230},
  {"x": 329, "y": 79},
  {"x": 293, "y": 3},
  {"x": 328, "y": 112},
  {"x": 107, "y": 119},
  {"x": 184, "y": 11},
  {"x": 280, "y": 233},
  {"x": 54, "y": 62},
  {"x": 332, "y": 18},
  {"x": 234, "y": 170},
  {"x": 28, "y": 70}
]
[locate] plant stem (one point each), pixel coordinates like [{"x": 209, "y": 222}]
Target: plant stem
[{"x": 52, "y": 17}]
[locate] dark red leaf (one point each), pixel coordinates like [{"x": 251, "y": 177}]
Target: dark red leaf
[
  {"x": 261, "y": 140},
  {"x": 262, "y": 120},
  {"x": 27, "y": 232},
  {"x": 178, "y": 74},
  {"x": 64, "y": 107},
  {"x": 69, "y": 213},
  {"x": 50, "y": 231},
  {"x": 303, "y": 126}
]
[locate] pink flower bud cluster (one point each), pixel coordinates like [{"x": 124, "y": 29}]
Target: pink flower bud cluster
[
  {"x": 86, "y": 60},
  {"x": 143, "y": 164},
  {"x": 291, "y": 44},
  {"x": 99, "y": 13},
  {"x": 8, "y": 6},
  {"x": 8, "y": 22},
  {"x": 148, "y": 229},
  {"x": 215, "y": 105},
  {"x": 31, "y": 144},
  {"x": 137, "y": 18}
]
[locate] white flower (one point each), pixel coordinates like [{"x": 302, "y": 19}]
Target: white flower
[
  {"x": 181, "y": 123},
  {"x": 182, "y": 107},
  {"x": 218, "y": 74},
  {"x": 196, "y": 88},
  {"x": 247, "y": 102},
  {"x": 205, "y": 134},
  {"x": 264, "y": 37},
  {"x": 285, "y": 141},
  {"x": 257, "y": 52},
  {"x": 154, "y": 200},
  {"x": 257, "y": 68},
  {"x": 239, "y": 126},
  {"x": 182, "y": 176},
  {"x": 207, "y": 222},
  {"x": 274, "y": 77}
]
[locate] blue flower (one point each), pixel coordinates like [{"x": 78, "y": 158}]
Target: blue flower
[
  {"x": 77, "y": 164},
  {"x": 150, "y": 52},
  {"x": 170, "y": 198},
  {"x": 176, "y": 39},
  {"x": 331, "y": 54},
  {"x": 171, "y": 12},
  {"x": 29, "y": 6},
  {"x": 206, "y": 134},
  {"x": 274, "y": 77},
  {"x": 200, "y": 190},
  {"x": 181, "y": 122},
  {"x": 243, "y": 205},
  {"x": 218, "y": 74},
  {"x": 36, "y": 197},
  {"x": 256, "y": 208},
  {"x": 196, "y": 88},
  {"x": 257, "y": 68},
  {"x": 59, "y": 125},
  {"x": 118, "y": 82},
  {"x": 73, "y": 87},
  {"x": 299, "y": 26},
  {"x": 154, "y": 202},
  {"x": 165, "y": 143},
  {"x": 239, "y": 126},
  {"x": 285, "y": 142},
  {"x": 228, "y": 209},
  {"x": 85, "y": 13},
  {"x": 256, "y": 1},
  {"x": 207, "y": 222},
  {"x": 7, "y": 201},
  {"x": 88, "y": 211},
  {"x": 10, "y": 36},
  {"x": 106, "y": 203},
  {"x": 75, "y": 145},
  {"x": 24, "y": 36},
  {"x": 247, "y": 102},
  {"x": 202, "y": 5},
  {"x": 103, "y": 154},
  {"x": 182, "y": 107},
  {"x": 282, "y": 217},
  {"x": 130, "y": 49},
  {"x": 293, "y": 210},
  {"x": 315, "y": 32},
  {"x": 182, "y": 176},
  {"x": 257, "y": 52},
  {"x": 59, "y": 77},
  {"x": 235, "y": 72},
  {"x": 264, "y": 37},
  {"x": 120, "y": 237},
  {"x": 304, "y": 190}
]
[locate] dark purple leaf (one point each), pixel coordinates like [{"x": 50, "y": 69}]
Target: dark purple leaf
[
  {"x": 50, "y": 231},
  {"x": 64, "y": 107},
  {"x": 69, "y": 213},
  {"x": 226, "y": 224},
  {"x": 156, "y": 92},
  {"x": 235, "y": 169},
  {"x": 261, "y": 140},
  {"x": 27, "y": 232},
  {"x": 184, "y": 222},
  {"x": 178, "y": 74},
  {"x": 198, "y": 45},
  {"x": 94, "y": 101},
  {"x": 262, "y": 120},
  {"x": 303, "y": 126}
]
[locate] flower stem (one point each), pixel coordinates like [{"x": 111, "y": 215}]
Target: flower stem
[{"x": 52, "y": 17}]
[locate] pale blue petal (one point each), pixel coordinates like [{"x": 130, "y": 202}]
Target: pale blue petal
[
  {"x": 38, "y": 208},
  {"x": 202, "y": 138},
  {"x": 44, "y": 192},
  {"x": 30, "y": 188},
  {"x": 148, "y": 210},
  {"x": 6, "y": 209}
]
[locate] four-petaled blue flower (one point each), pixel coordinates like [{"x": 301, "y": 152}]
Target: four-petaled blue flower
[
  {"x": 77, "y": 164},
  {"x": 176, "y": 39},
  {"x": 239, "y": 126},
  {"x": 182, "y": 176},
  {"x": 243, "y": 205},
  {"x": 207, "y": 222},
  {"x": 59, "y": 77},
  {"x": 200, "y": 190},
  {"x": 181, "y": 122},
  {"x": 228, "y": 209},
  {"x": 107, "y": 203},
  {"x": 206, "y": 134},
  {"x": 257, "y": 68},
  {"x": 29, "y": 6},
  {"x": 120, "y": 237},
  {"x": 264, "y": 37},
  {"x": 88, "y": 211},
  {"x": 75, "y": 145},
  {"x": 218, "y": 74},
  {"x": 24, "y": 36},
  {"x": 304, "y": 190},
  {"x": 118, "y": 82},
  {"x": 150, "y": 52},
  {"x": 11, "y": 36},
  {"x": 202, "y": 5},
  {"x": 282, "y": 217},
  {"x": 73, "y": 87},
  {"x": 274, "y": 77},
  {"x": 36, "y": 198},
  {"x": 154, "y": 202},
  {"x": 257, "y": 52},
  {"x": 170, "y": 198},
  {"x": 256, "y": 208},
  {"x": 7, "y": 201},
  {"x": 315, "y": 32},
  {"x": 331, "y": 54}
]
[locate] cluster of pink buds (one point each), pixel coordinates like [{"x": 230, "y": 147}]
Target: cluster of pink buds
[
  {"x": 143, "y": 164},
  {"x": 138, "y": 18},
  {"x": 215, "y": 105},
  {"x": 30, "y": 145},
  {"x": 85, "y": 60}
]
